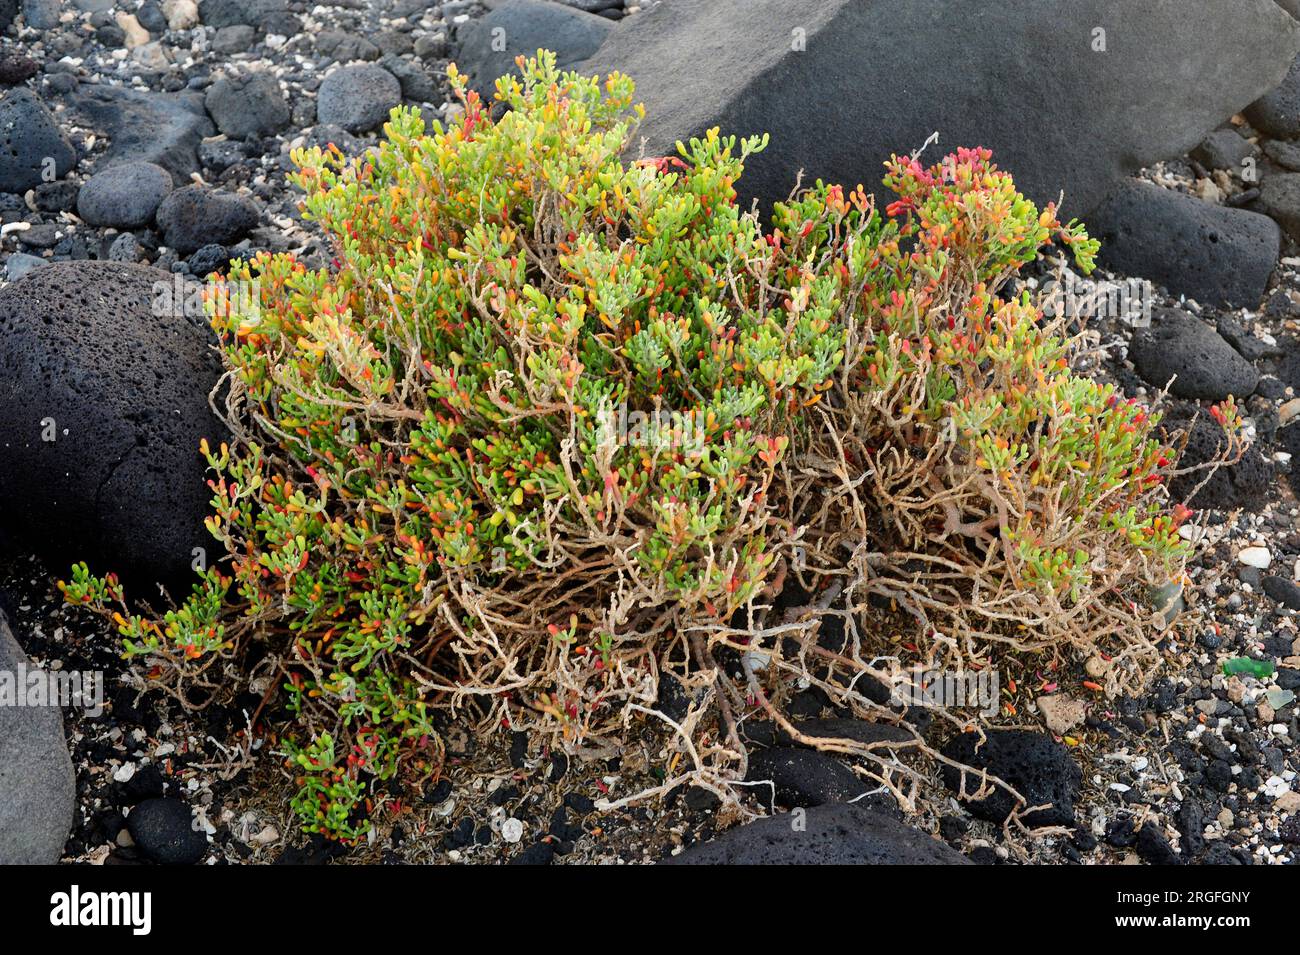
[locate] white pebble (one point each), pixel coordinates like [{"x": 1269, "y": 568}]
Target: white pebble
[
  {"x": 1276, "y": 786},
  {"x": 1255, "y": 557}
]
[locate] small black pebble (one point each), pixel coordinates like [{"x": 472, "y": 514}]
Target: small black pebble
[
  {"x": 539, "y": 853},
  {"x": 461, "y": 836},
  {"x": 1219, "y": 774},
  {"x": 579, "y": 803},
  {"x": 1083, "y": 839},
  {"x": 699, "y": 799},
  {"x": 147, "y": 783},
  {"x": 1120, "y": 832},
  {"x": 518, "y": 750},
  {"x": 439, "y": 793},
  {"x": 953, "y": 828},
  {"x": 559, "y": 765},
  {"x": 1153, "y": 848},
  {"x": 163, "y": 829}
]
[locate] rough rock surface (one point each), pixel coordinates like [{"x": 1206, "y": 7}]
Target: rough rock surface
[
  {"x": 1181, "y": 347},
  {"x": 41, "y": 14},
  {"x": 163, "y": 828},
  {"x": 248, "y": 104},
  {"x": 1216, "y": 255},
  {"x": 1279, "y": 197},
  {"x": 124, "y": 197},
  {"x": 37, "y": 784},
  {"x": 1277, "y": 112},
  {"x": 1241, "y": 485},
  {"x": 161, "y": 128},
  {"x": 196, "y": 216},
  {"x": 839, "y": 834},
  {"x": 803, "y": 777},
  {"x": 1039, "y": 768},
  {"x": 1224, "y": 149},
  {"x": 358, "y": 98},
  {"x": 840, "y": 84},
  {"x": 15, "y": 67},
  {"x": 93, "y": 358},
  {"x": 273, "y": 16},
  {"x": 29, "y": 139},
  {"x": 1284, "y": 590}
]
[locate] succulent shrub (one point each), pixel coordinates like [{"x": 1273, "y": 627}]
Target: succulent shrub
[
  {"x": 959, "y": 464},
  {"x": 553, "y": 423}
]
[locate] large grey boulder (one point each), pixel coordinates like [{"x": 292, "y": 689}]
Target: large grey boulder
[
  {"x": 358, "y": 97},
  {"x": 37, "y": 783},
  {"x": 490, "y": 44},
  {"x": 247, "y": 104},
  {"x": 835, "y": 834},
  {"x": 142, "y": 126},
  {"x": 125, "y": 196},
  {"x": 841, "y": 84},
  {"x": 106, "y": 376},
  {"x": 196, "y": 216}
]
